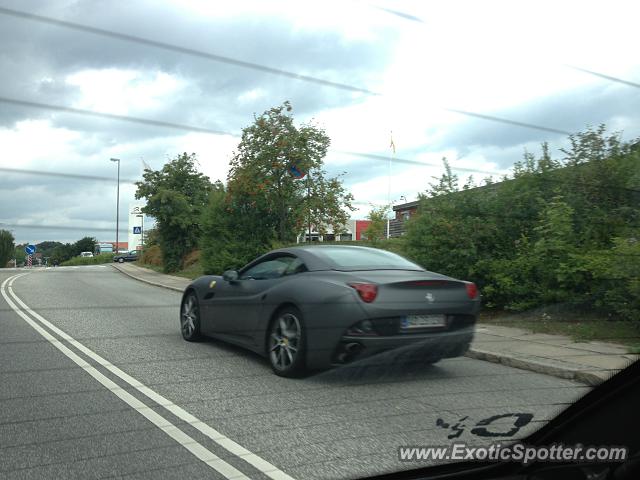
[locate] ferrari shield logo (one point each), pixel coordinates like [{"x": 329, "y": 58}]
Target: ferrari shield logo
[{"x": 212, "y": 284}]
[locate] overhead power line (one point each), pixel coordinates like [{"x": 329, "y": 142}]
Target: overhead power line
[
  {"x": 491, "y": 118},
  {"x": 606, "y": 77},
  {"x": 45, "y": 173},
  {"x": 407, "y": 161},
  {"x": 183, "y": 50},
  {"x": 112, "y": 116},
  {"x": 58, "y": 227}
]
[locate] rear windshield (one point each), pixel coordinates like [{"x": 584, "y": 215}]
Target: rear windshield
[{"x": 354, "y": 258}]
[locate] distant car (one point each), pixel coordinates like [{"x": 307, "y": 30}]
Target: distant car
[
  {"x": 131, "y": 256},
  {"x": 313, "y": 307},
  {"x": 86, "y": 254}
]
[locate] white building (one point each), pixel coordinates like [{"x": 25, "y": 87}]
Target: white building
[
  {"x": 136, "y": 226},
  {"x": 353, "y": 230}
]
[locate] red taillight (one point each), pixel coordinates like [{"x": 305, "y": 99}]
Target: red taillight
[
  {"x": 472, "y": 290},
  {"x": 367, "y": 291}
]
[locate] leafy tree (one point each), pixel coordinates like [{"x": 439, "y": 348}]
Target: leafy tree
[
  {"x": 263, "y": 205},
  {"x": 613, "y": 277},
  {"x": 261, "y": 189},
  {"x": 378, "y": 226},
  {"x": 6, "y": 247},
  {"x": 63, "y": 252},
  {"x": 176, "y": 197},
  {"x": 447, "y": 183},
  {"x": 18, "y": 253},
  {"x": 226, "y": 244},
  {"x": 557, "y": 230},
  {"x": 85, "y": 244}
]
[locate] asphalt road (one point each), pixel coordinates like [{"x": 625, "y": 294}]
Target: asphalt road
[{"x": 124, "y": 396}]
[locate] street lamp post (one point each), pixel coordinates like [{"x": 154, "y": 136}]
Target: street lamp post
[{"x": 117, "y": 206}]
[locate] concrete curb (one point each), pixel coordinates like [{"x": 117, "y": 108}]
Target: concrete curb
[
  {"x": 144, "y": 280},
  {"x": 589, "y": 377}
]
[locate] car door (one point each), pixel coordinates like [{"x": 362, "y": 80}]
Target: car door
[{"x": 236, "y": 310}]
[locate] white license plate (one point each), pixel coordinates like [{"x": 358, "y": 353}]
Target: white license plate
[{"x": 423, "y": 321}]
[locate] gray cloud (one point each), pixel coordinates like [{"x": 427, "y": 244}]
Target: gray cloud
[
  {"x": 38, "y": 52},
  {"x": 614, "y": 105}
]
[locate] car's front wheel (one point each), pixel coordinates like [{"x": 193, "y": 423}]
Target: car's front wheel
[
  {"x": 121, "y": 260},
  {"x": 286, "y": 343},
  {"x": 190, "y": 318}
]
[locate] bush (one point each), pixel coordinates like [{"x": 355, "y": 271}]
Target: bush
[
  {"x": 551, "y": 234},
  {"x": 152, "y": 255},
  {"x": 191, "y": 259},
  {"x": 613, "y": 277}
]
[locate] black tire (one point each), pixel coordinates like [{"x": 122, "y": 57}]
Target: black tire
[
  {"x": 286, "y": 347},
  {"x": 121, "y": 260},
  {"x": 190, "y": 318}
]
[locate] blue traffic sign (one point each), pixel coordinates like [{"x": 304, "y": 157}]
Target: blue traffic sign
[
  {"x": 137, "y": 230},
  {"x": 30, "y": 249}
]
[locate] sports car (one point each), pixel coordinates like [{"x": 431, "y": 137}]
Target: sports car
[{"x": 313, "y": 307}]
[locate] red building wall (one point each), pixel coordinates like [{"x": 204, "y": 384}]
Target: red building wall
[{"x": 361, "y": 226}]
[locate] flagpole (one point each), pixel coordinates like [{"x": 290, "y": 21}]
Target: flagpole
[{"x": 389, "y": 187}]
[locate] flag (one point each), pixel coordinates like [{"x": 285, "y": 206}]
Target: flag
[{"x": 392, "y": 145}]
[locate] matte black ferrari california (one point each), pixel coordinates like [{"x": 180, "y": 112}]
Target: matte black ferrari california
[{"x": 313, "y": 307}]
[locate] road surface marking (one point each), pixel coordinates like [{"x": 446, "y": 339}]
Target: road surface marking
[{"x": 222, "y": 440}]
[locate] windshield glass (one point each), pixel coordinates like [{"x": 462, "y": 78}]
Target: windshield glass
[
  {"x": 467, "y": 172},
  {"x": 350, "y": 258}
]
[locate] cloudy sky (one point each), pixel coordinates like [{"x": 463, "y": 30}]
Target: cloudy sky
[{"x": 411, "y": 62}]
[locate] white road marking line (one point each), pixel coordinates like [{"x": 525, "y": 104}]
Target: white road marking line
[
  {"x": 197, "y": 449},
  {"x": 222, "y": 440}
]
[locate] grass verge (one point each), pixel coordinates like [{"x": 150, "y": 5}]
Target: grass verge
[
  {"x": 192, "y": 272},
  {"x": 579, "y": 326},
  {"x": 95, "y": 260}
]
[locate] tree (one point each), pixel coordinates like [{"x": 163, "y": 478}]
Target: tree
[
  {"x": 260, "y": 188},
  {"x": 447, "y": 183},
  {"x": 7, "y": 247},
  {"x": 46, "y": 248},
  {"x": 85, "y": 244},
  {"x": 63, "y": 252},
  {"x": 263, "y": 205},
  {"x": 378, "y": 218},
  {"x": 176, "y": 197},
  {"x": 225, "y": 244},
  {"x": 556, "y": 231}
]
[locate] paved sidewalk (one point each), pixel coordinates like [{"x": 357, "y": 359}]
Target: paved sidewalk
[{"x": 557, "y": 355}]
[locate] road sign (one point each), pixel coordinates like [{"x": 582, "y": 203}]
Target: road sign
[
  {"x": 295, "y": 172},
  {"x": 137, "y": 230},
  {"x": 30, "y": 249},
  {"x": 29, "y": 260}
]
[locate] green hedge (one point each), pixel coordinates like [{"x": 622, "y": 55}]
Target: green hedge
[{"x": 95, "y": 260}]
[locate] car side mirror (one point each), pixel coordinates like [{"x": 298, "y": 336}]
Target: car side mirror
[{"x": 230, "y": 276}]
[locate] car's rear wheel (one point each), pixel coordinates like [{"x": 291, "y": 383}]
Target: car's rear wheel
[
  {"x": 286, "y": 343},
  {"x": 190, "y": 318}
]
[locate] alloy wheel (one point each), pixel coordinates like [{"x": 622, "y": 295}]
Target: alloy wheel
[
  {"x": 189, "y": 318},
  {"x": 285, "y": 342}
]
